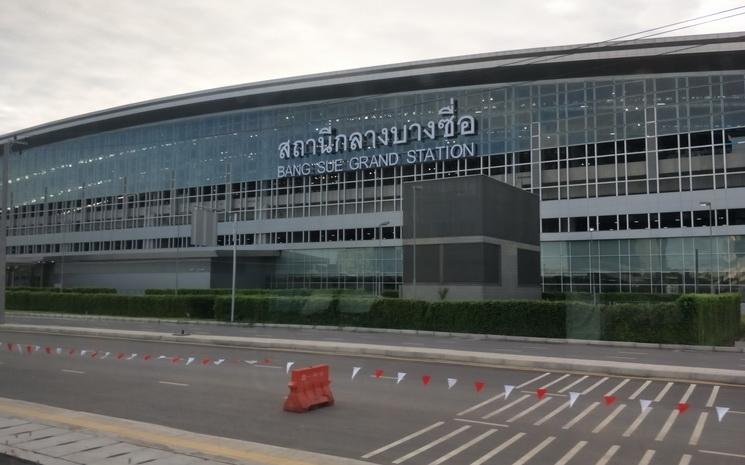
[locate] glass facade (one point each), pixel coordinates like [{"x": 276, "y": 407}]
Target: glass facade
[
  {"x": 658, "y": 138},
  {"x": 669, "y": 265}
]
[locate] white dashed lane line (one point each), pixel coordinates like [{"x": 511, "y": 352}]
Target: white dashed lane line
[
  {"x": 74, "y": 372},
  {"x": 171, "y": 383}
]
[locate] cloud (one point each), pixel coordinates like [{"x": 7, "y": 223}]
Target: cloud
[{"x": 62, "y": 58}]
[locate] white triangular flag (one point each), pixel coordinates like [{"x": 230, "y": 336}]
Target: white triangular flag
[
  {"x": 219, "y": 362},
  {"x": 251, "y": 362},
  {"x": 400, "y": 377},
  {"x": 573, "y": 398},
  {"x": 132, "y": 357},
  {"x": 83, "y": 352},
  {"x": 189, "y": 361},
  {"x": 105, "y": 355},
  {"x": 721, "y": 412},
  {"x": 644, "y": 403},
  {"x": 355, "y": 370},
  {"x": 58, "y": 350},
  {"x": 161, "y": 357},
  {"x": 507, "y": 390},
  {"x": 451, "y": 382},
  {"x": 289, "y": 365},
  {"x": 37, "y": 348}
]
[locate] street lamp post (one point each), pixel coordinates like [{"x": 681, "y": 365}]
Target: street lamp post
[
  {"x": 232, "y": 292},
  {"x": 380, "y": 257},
  {"x": 413, "y": 249},
  {"x": 711, "y": 245}
]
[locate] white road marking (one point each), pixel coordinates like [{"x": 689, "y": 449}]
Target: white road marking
[
  {"x": 630, "y": 430},
  {"x": 465, "y": 446},
  {"x": 726, "y": 454},
  {"x": 698, "y": 429},
  {"x": 546, "y": 386},
  {"x": 570, "y": 386},
  {"x": 431, "y": 444},
  {"x": 481, "y": 422},
  {"x": 529, "y": 409},
  {"x": 668, "y": 424},
  {"x": 572, "y": 452},
  {"x": 615, "y": 389},
  {"x": 505, "y": 407},
  {"x": 498, "y": 449},
  {"x": 647, "y": 457},
  {"x": 532, "y": 452},
  {"x": 713, "y": 396},
  {"x": 608, "y": 419},
  {"x": 687, "y": 394},
  {"x": 75, "y": 372},
  {"x": 499, "y": 396},
  {"x": 663, "y": 392},
  {"x": 552, "y": 414},
  {"x": 608, "y": 455},
  {"x": 736, "y": 412},
  {"x": 403, "y": 440},
  {"x": 686, "y": 459},
  {"x": 171, "y": 383},
  {"x": 592, "y": 388},
  {"x": 583, "y": 414},
  {"x": 640, "y": 390}
]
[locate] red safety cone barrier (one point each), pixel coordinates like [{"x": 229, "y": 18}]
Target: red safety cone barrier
[{"x": 309, "y": 388}]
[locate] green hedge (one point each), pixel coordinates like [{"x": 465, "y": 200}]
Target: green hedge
[
  {"x": 112, "y": 304},
  {"x": 691, "y": 319},
  {"x": 74, "y": 290}
]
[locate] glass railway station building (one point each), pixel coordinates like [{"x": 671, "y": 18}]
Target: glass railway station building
[{"x": 635, "y": 149}]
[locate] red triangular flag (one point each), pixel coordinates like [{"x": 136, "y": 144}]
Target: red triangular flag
[
  {"x": 266, "y": 361},
  {"x": 205, "y": 361},
  {"x": 609, "y": 399},
  {"x": 48, "y": 350},
  {"x": 147, "y": 357},
  {"x": 29, "y": 349},
  {"x": 540, "y": 392},
  {"x": 93, "y": 354},
  {"x": 10, "y": 346},
  {"x": 479, "y": 385},
  {"x": 120, "y": 355},
  {"x": 175, "y": 359},
  {"x": 378, "y": 373},
  {"x": 426, "y": 379},
  {"x": 71, "y": 351},
  {"x": 682, "y": 407}
]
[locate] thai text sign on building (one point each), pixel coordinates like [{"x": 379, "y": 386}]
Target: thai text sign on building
[{"x": 298, "y": 157}]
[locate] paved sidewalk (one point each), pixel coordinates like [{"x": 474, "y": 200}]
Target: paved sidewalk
[{"x": 53, "y": 436}]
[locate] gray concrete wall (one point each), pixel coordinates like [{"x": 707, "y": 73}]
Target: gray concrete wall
[{"x": 476, "y": 238}]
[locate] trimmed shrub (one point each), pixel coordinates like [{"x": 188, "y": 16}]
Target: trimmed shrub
[
  {"x": 113, "y": 304},
  {"x": 711, "y": 319},
  {"x": 74, "y": 290}
]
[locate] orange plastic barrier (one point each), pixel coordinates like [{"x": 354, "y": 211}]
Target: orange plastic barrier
[{"x": 309, "y": 388}]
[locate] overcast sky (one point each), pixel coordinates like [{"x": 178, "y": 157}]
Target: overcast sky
[{"x": 61, "y": 58}]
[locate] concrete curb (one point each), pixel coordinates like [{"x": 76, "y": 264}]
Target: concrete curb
[
  {"x": 359, "y": 329},
  {"x": 207, "y": 447},
  {"x": 595, "y": 367}
]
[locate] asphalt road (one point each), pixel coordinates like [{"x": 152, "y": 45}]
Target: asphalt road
[
  {"x": 375, "y": 418},
  {"x": 683, "y": 357}
]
